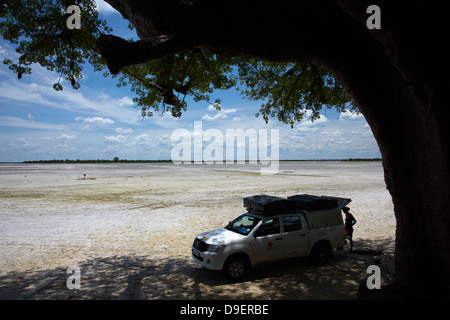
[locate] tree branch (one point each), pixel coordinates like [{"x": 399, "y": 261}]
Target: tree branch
[{"x": 119, "y": 52}]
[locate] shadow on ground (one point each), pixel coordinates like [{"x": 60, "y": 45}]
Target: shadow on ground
[{"x": 149, "y": 277}]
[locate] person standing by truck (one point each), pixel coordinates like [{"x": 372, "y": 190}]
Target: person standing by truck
[{"x": 350, "y": 221}]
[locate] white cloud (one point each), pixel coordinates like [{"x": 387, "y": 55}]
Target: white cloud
[
  {"x": 142, "y": 140},
  {"x": 142, "y": 137},
  {"x": 211, "y": 107},
  {"x": 125, "y": 102},
  {"x": 332, "y": 134},
  {"x": 229, "y": 110},
  {"x": 25, "y": 144},
  {"x": 11, "y": 121},
  {"x": 65, "y": 136},
  {"x": 96, "y": 120},
  {"x": 116, "y": 139},
  {"x": 36, "y": 90},
  {"x": 329, "y": 139},
  {"x": 124, "y": 131},
  {"x": 165, "y": 141},
  {"x": 308, "y": 125},
  {"x": 221, "y": 114},
  {"x": 166, "y": 120},
  {"x": 368, "y": 134},
  {"x": 347, "y": 115},
  {"x": 83, "y": 100}
]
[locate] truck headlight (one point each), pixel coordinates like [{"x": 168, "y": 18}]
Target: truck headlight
[{"x": 215, "y": 248}]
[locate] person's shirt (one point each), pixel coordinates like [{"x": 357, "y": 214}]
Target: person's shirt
[{"x": 349, "y": 219}]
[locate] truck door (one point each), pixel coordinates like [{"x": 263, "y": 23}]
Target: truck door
[
  {"x": 295, "y": 236},
  {"x": 268, "y": 243}
]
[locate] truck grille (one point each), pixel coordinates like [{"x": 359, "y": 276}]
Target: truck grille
[{"x": 200, "y": 245}]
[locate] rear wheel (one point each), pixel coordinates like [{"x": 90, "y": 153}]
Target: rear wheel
[
  {"x": 320, "y": 253},
  {"x": 236, "y": 268}
]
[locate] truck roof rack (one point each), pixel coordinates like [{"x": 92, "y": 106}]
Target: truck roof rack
[{"x": 271, "y": 205}]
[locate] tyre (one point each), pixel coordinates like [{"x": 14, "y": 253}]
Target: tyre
[
  {"x": 236, "y": 268},
  {"x": 320, "y": 253}
]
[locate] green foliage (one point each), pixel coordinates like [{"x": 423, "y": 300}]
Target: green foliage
[
  {"x": 163, "y": 84},
  {"x": 39, "y": 30},
  {"x": 40, "y": 34},
  {"x": 290, "y": 89}
]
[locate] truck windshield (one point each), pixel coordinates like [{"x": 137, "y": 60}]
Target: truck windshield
[{"x": 243, "y": 224}]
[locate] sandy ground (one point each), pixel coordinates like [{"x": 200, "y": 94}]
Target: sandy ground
[{"x": 130, "y": 227}]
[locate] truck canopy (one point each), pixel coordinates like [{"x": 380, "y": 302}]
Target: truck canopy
[{"x": 271, "y": 205}]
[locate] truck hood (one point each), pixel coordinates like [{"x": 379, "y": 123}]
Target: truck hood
[{"x": 220, "y": 236}]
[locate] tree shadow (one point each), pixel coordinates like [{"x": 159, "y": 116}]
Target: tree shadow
[{"x": 156, "y": 277}]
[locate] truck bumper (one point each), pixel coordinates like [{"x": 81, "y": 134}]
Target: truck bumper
[{"x": 210, "y": 260}]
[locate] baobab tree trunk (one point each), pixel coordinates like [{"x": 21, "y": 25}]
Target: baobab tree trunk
[
  {"x": 402, "y": 97},
  {"x": 392, "y": 74},
  {"x": 413, "y": 140}
]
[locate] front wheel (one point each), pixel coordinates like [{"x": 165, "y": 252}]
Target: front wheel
[{"x": 236, "y": 268}]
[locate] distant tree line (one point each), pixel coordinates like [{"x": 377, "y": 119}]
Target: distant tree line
[
  {"x": 117, "y": 160},
  {"x": 363, "y": 159}
]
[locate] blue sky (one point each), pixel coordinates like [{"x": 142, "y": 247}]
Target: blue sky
[{"x": 100, "y": 120}]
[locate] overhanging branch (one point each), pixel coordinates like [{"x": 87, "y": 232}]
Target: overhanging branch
[{"x": 119, "y": 52}]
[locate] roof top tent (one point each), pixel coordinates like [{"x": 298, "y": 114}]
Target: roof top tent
[
  {"x": 269, "y": 205},
  {"x": 309, "y": 202}
]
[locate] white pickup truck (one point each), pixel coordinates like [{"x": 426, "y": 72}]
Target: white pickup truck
[{"x": 273, "y": 228}]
